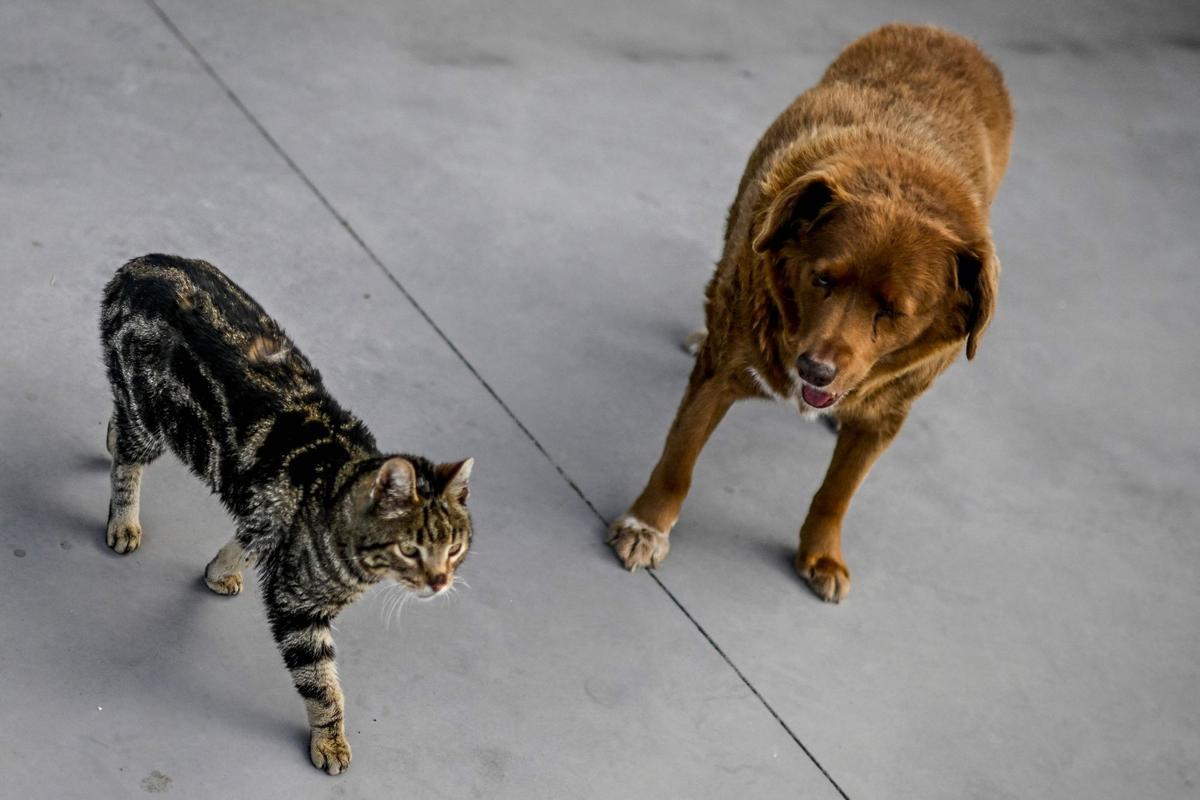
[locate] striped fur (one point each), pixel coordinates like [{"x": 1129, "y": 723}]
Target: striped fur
[{"x": 197, "y": 367}]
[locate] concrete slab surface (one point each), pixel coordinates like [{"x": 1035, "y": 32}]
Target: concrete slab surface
[{"x": 548, "y": 183}]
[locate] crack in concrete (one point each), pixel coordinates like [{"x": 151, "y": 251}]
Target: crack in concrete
[{"x": 345, "y": 223}]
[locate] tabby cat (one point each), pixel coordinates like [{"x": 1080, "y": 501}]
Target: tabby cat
[{"x": 196, "y": 365}]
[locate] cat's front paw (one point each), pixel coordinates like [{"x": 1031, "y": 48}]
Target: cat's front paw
[
  {"x": 123, "y": 536},
  {"x": 329, "y": 751},
  {"x": 826, "y": 575},
  {"x": 228, "y": 585},
  {"x": 637, "y": 544}
]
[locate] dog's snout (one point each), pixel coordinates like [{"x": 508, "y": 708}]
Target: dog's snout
[{"x": 818, "y": 373}]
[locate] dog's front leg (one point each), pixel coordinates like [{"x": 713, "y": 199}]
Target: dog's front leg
[
  {"x": 819, "y": 560},
  {"x": 639, "y": 536}
]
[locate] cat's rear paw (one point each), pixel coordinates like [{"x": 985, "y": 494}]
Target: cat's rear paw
[
  {"x": 329, "y": 751},
  {"x": 123, "y": 537},
  {"x": 637, "y": 544},
  {"x": 227, "y": 585}
]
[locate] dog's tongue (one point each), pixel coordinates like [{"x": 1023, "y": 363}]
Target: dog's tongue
[{"x": 815, "y": 397}]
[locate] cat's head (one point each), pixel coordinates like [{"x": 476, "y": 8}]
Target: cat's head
[{"x": 413, "y": 525}]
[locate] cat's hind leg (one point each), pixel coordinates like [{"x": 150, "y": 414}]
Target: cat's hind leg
[
  {"x": 131, "y": 449},
  {"x": 224, "y": 573}
]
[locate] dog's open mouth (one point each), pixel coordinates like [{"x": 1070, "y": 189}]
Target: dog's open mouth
[{"x": 817, "y": 398}]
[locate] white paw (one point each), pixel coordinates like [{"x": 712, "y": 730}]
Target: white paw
[
  {"x": 827, "y": 576},
  {"x": 227, "y": 585},
  {"x": 329, "y": 751},
  {"x": 695, "y": 340},
  {"x": 637, "y": 544},
  {"x": 123, "y": 536}
]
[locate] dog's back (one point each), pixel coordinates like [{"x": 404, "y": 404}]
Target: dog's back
[
  {"x": 911, "y": 76},
  {"x": 914, "y": 87}
]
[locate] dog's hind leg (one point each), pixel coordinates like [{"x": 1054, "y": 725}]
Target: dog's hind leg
[{"x": 640, "y": 536}]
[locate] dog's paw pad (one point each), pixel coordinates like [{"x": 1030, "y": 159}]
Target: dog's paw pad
[
  {"x": 827, "y": 576},
  {"x": 637, "y": 544}
]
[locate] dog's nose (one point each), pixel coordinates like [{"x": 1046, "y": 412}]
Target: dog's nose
[{"x": 818, "y": 373}]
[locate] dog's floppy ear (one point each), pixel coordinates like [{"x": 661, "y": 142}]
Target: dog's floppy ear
[
  {"x": 795, "y": 210},
  {"x": 978, "y": 276}
]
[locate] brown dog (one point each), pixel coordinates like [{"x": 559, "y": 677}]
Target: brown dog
[{"x": 858, "y": 262}]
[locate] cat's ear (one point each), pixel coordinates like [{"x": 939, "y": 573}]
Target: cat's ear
[
  {"x": 456, "y": 485},
  {"x": 395, "y": 487}
]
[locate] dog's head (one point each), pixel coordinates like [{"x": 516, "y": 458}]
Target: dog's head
[{"x": 867, "y": 278}]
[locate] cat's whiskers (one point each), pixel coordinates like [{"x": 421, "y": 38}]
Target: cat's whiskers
[
  {"x": 396, "y": 598},
  {"x": 385, "y": 597},
  {"x": 374, "y": 599},
  {"x": 405, "y": 596},
  {"x": 378, "y": 600},
  {"x": 385, "y": 615},
  {"x": 398, "y": 603},
  {"x": 452, "y": 589}
]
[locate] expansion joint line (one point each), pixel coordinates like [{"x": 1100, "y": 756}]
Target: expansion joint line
[{"x": 391, "y": 277}]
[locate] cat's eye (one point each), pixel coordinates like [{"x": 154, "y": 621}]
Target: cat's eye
[
  {"x": 456, "y": 549},
  {"x": 408, "y": 550}
]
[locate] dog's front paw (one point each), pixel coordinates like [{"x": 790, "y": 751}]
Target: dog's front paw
[
  {"x": 637, "y": 544},
  {"x": 826, "y": 575},
  {"x": 329, "y": 751},
  {"x": 694, "y": 341}
]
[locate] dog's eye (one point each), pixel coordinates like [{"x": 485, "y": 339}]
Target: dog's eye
[
  {"x": 822, "y": 281},
  {"x": 884, "y": 312}
]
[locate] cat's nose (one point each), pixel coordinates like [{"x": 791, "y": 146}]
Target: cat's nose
[{"x": 438, "y": 582}]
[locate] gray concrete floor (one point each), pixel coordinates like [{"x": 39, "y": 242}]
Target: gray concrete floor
[{"x": 547, "y": 181}]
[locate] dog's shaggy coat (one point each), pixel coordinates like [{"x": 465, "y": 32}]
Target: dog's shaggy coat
[{"x": 858, "y": 263}]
